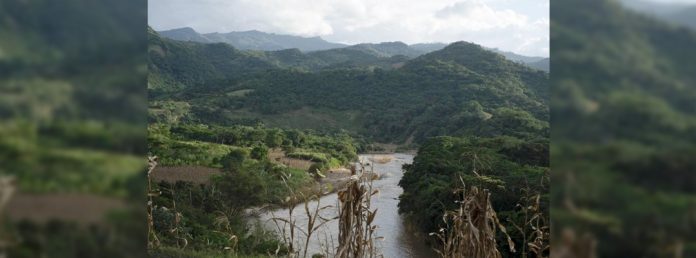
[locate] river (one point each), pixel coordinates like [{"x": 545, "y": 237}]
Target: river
[{"x": 398, "y": 240}]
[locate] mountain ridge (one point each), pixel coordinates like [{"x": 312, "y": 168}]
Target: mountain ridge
[
  {"x": 355, "y": 90},
  {"x": 252, "y": 40},
  {"x": 262, "y": 41}
]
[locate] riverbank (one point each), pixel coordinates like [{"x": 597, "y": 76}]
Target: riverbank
[{"x": 398, "y": 240}]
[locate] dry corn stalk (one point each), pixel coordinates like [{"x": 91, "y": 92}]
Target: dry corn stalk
[
  {"x": 535, "y": 231},
  {"x": 223, "y": 225},
  {"x": 289, "y": 226},
  {"x": 470, "y": 230},
  {"x": 356, "y": 232},
  {"x": 534, "y": 228},
  {"x": 7, "y": 189},
  {"x": 152, "y": 240},
  {"x": 572, "y": 246}
]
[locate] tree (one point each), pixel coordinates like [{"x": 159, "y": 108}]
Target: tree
[
  {"x": 234, "y": 159},
  {"x": 259, "y": 152},
  {"x": 274, "y": 138}
]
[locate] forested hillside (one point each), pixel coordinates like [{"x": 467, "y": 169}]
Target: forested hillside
[
  {"x": 462, "y": 89},
  {"x": 72, "y": 117},
  {"x": 261, "y": 41},
  {"x": 515, "y": 172},
  {"x": 623, "y": 113}
]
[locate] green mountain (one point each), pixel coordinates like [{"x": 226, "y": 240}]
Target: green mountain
[
  {"x": 543, "y": 64},
  {"x": 176, "y": 65},
  {"x": 686, "y": 16},
  {"x": 683, "y": 14},
  {"x": 516, "y": 57},
  {"x": 461, "y": 89},
  {"x": 389, "y": 49},
  {"x": 329, "y": 54},
  {"x": 252, "y": 40},
  {"x": 428, "y": 47},
  {"x": 623, "y": 120},
  {"x": 180, "y": 64}
]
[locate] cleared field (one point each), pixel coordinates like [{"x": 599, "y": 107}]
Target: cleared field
[
  {"x": 278, "y": 156},
  {"x": 84, "y": 209},
  {"x": 193, "y": 174}
]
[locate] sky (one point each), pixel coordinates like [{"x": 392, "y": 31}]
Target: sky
[{"x": 520, "y": 26}]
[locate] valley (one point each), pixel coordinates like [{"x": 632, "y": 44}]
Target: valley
[{"x": 283, "y": 128}]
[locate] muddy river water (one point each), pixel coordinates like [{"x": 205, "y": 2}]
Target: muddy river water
[{"x": 398, "y": 241}]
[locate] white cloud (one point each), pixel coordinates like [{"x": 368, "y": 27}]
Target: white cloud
[
  {"x": 509, "y": 25},
  {"x": 474, "y": 15}
]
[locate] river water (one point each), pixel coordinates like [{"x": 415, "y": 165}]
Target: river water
[{"x": 398, "y": 240}]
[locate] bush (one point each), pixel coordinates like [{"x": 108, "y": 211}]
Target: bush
[{"x": 259, "y": 153}]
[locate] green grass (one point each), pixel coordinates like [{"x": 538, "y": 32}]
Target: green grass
[
  {"x": 80, "y": 170},
  {"x": 308, "y": 155},
  {"x": 175, "y": 152},
  {"x": 298, "y": 178}
]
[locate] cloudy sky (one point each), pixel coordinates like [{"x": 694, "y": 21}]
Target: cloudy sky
[{"x": 521, "y": 26}]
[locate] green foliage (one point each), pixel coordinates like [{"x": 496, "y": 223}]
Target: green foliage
[
  {"x": 259, "y": 152},
  {"x": 64, "y": 239},
  {"x": 234, "y": 159},
  {"x": 426, "y": 97},
  {"x": 212, "y": 213},
  {"x": 71, "y": 118},
  {"x": 504, "y": 165},
  {"x": 216, "y": 146},
  {"x": 623, "y": 125}
]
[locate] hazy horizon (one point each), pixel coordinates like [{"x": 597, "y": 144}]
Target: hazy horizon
[
  {"x": 520, "y": 26},
  {"x": 348, "y": 44}
]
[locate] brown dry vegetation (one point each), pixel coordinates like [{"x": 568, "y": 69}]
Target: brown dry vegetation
[
  {"x": 470, "y": 230},
  {"x": 84, "y": 209},
  {"x": 381, "y": 159},
  {"x": 278, "y": 156},
  {"x": 356, "y": 232},
  {"x": 356, "y": 229},
  {"x": 193, "y": 174},
  {"x": 570, "y": 245}
]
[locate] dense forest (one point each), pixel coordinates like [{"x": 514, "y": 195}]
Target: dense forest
[
  {"x": 71, "y": 127},
  {"x": 623, "y": 120},
  {"x": 513, "y": 170},
  {"x": 462, "y": 89}
]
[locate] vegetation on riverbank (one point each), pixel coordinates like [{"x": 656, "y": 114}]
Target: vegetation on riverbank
[
  {"x": 509, "y": 168},
  {"x": 213, "y": 215}
]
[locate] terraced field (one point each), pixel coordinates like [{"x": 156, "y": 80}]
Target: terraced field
[{"x": 194, "y": 174}]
